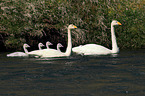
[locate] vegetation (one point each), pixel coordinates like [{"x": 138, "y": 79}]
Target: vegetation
[{"x": 34, "y": 21}]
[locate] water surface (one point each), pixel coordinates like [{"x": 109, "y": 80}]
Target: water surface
[{"x": 120, "y": 75}]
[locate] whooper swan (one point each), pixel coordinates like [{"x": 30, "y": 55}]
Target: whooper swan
[
  {"x": 20, "y": 54},
  {"x": 95, "y": 49}
]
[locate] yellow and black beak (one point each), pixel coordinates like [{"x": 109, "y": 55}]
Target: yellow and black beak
[
  {"x": 119, "y": 23},
  {"x": 75, "y": 26}
]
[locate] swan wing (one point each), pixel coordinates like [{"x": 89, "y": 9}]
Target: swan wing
[
  {"x": 77, "y": 49},
  {"x": 17, "y": 54},
  {"x": 52, "y": 53},
  {"x": 47, "y": 53},
  {"x": 34, "y": 52},
  {"x": 92, "y": 49}
]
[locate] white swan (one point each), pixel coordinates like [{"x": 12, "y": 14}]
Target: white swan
[
  {"x": 20, "y": 54},
  {"x": 55, "y": 53},
  {"x": 94, "y": 49}
]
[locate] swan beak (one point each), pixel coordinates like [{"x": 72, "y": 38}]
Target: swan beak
[
  {"x": 50, "y": 44},
  {"x": 119, "y": 23},
  {"x": 75, "y": 26}
]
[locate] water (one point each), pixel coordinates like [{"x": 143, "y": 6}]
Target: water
[{"x": 121, "y": 75}]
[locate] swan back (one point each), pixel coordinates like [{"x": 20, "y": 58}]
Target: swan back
[{"x": 17, "y": 54}]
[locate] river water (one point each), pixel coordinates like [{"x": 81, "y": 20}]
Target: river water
[{"x": 120, "y": 75}]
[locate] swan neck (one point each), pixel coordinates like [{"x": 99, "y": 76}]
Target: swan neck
[
  {"x": 47, "y": 46},
  {"x": 25, "y": 49},
  {"x": 69, "y": 44},
  {"x": 115, "y": 48},
  {"x": 58, "y": 49},
  {"x": 39, "y": 47}
]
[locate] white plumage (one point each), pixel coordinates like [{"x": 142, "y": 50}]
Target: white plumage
[
  {"x": 20, "y": 54},
  {"x": 95, "y": 49}
]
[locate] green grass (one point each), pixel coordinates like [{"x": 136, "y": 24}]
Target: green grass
[{"x": 29, "y": 21}]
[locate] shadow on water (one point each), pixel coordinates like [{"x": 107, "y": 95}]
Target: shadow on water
[{"x": 120, "y": 75}]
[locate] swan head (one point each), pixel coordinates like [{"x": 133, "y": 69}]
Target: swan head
[
  {"x": 26, "y": 45},
  {"x": 59, "y": 45},
  {"x": 40, "y": 44},
  {"x": 71, "y": 26},
  {"x": 48, "y": 43},
  {"x": 115, "y": 22}
]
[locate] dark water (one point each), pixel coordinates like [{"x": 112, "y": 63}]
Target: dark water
[{"x": 121, "y": 75}]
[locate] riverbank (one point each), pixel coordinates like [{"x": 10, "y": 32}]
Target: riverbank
[{"x": 40, "y": 21}]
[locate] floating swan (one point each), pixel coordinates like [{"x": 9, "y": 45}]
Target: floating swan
[
  {"x": 94, "y": 49},
  {"x": 20, "y": 54},
  {"x": 55, "y": 53}
]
